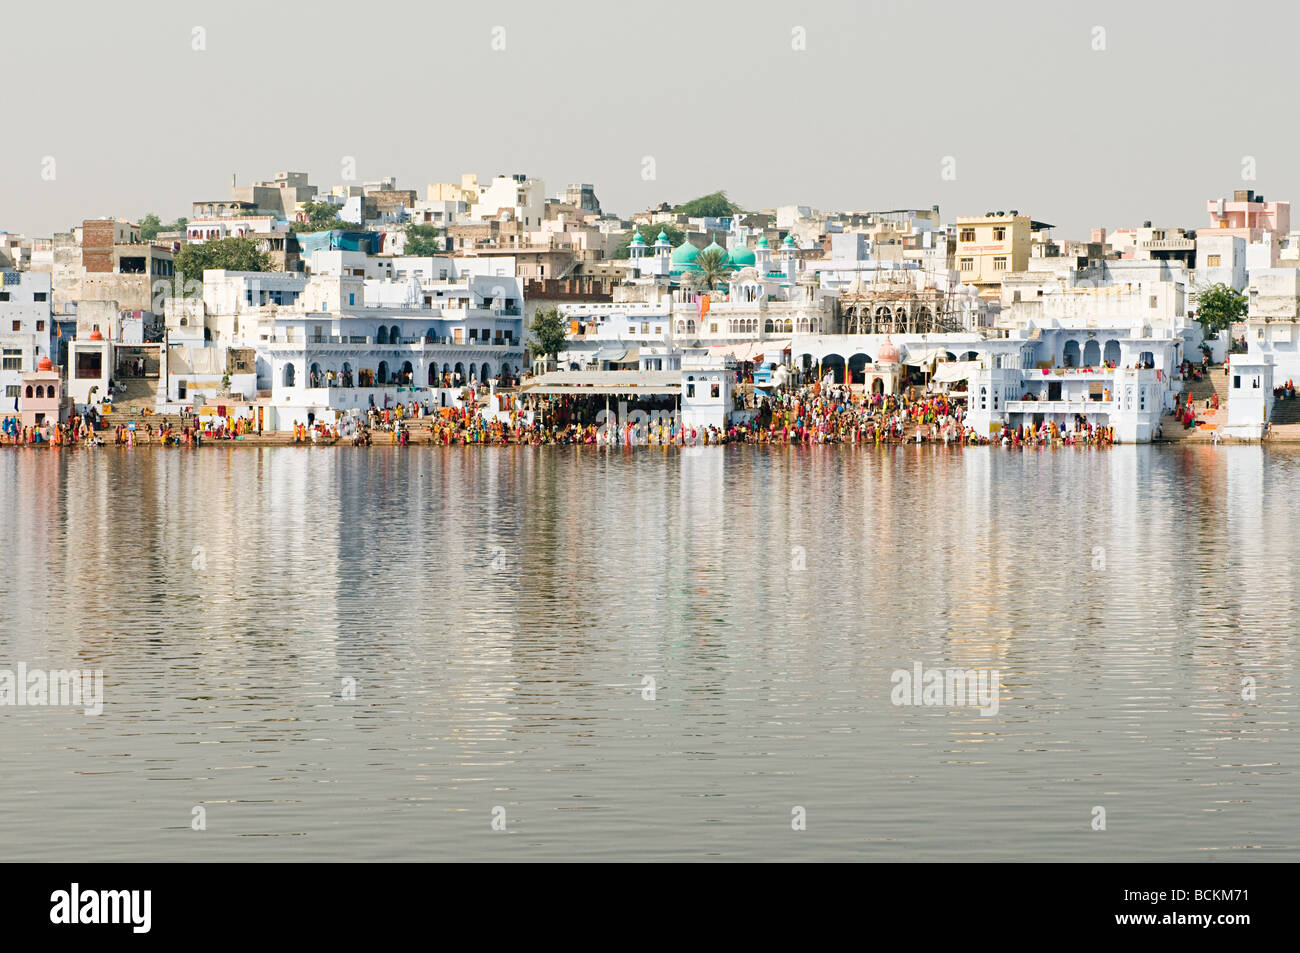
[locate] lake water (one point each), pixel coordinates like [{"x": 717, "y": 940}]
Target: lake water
[{"x": 500, "y": 612}]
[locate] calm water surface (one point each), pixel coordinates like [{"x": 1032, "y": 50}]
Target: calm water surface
[{"x": 500, "y": 608}]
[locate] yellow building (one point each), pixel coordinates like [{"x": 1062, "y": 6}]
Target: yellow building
[{"x": 990, "y": 246}]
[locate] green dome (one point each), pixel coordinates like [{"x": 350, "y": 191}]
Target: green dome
[
  {"x": 762, "y": 241},
  {"x": 742, "y": 257},
  {"x": 683, "y": 256},
  {"x": 637, "y": 239},
  {"x": 714, "y": 246},
  {"x": 789, "y": 240},
  {"x": 663, "y": 237}
]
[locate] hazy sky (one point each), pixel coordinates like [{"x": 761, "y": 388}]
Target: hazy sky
[{"x": 1033, "y": 116}]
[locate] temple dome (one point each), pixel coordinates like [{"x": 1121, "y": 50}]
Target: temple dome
[
  {"x": 888, "y": 353},
  {"x": 96, "y": 336},
  {"x": 684, "y": 255},
  {"x": 742, "y": 257},
  {"x": 45, "y": 364}
]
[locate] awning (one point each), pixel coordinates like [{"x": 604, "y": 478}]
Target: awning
[
  {"x": 748, "y": 350},
  {"x": 919, "y": 355},
  {"x": 950, "y": 372},
  {"x": 617, "y": 355}
]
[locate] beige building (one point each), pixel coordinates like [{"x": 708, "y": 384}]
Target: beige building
[{"x": 991, "y": 246}]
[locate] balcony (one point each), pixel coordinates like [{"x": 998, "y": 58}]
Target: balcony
[
  {"x": 1059, "y": 406},
  {"x": 1168, "y": 244}
]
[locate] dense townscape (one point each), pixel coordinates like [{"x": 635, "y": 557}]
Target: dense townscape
[{"x": 495, "y": 313}]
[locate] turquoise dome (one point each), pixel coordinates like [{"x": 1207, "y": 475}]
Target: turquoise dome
[
  {"x": 684, "y": 256},
  {"x": 742, "y": 257}
]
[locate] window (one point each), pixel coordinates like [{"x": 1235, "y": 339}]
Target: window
[
  {"x": 40, "y": 296},
  {"x": 715, "y": 390},
  {"x": 645, "y": 327},
  {"x": 690, "y": 390},
  {"x": 11, "y": 390},
  {"x": 1255, "y": 383},
  {"x": 1212, "y": 261},
  {"x": 352, "y": 299},
  {"x": 89, "y": 365},
  {"x": 1153, "y": 302},
  {"x": 1000, "y": 263},
  {"x": 1236, "y": 382},
  {"x": 4, "y": 296},
  {"x": 999, "y": 234},
  {"x": 967, "y": 235},
  {"x": 18, "y": 325},
  {"x": 968, "y": 264},
  {"x": 713, "y": 328},
  {"x": 40, "y": 325}
]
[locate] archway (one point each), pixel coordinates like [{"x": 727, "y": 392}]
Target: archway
[
  {"x": 289, "y": 375},
  {"x": 1091, "y": 354},
  {"x": 347, "y": 375},
  {"x": 408, "y": 374},
  {"x": 878, "y": 386},
  {"x": 314, "y": 375},
  {"x": 1111, "y": 353},
  {"x": 394, "y": 335},
  {"x": 858, "y": 368},
  {"x": 381, "y": 375},
  {"x": 1070, "y": 356},
  {"x": 473, "y": 372},
  {"x": 485, "y": 372},
  {"x": 382, "y": 336},
  {"x": 833, "y": 364},
  {"x": 459, "y": 371},
  {"x": 433, "y": 375}
]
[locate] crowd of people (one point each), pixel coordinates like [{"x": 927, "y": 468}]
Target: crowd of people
[{"x": 819, "y": 412}]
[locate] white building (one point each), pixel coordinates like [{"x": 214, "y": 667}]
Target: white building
[
  {"x": 24, "y": 329},
  {"x": 523, "y": 198},
  {"x": 342, "y": 341}
]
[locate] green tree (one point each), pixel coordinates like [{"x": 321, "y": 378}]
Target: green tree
[
  {"x": 151, "y": 225},
  {"x": 1219, "y": 306},
  {"x": 714, "y": 267},
  {"x": 233, "y": 254},
  {"x": 648, "y": 235},
  {"x": 423, "y": 240},
  {"x": 321, "y": 217},
  {"x": 546, "y": 335},
  {"x": 713, "y": 205}
]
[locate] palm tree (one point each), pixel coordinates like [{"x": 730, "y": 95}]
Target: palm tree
[{"x": 714, "y": 267}]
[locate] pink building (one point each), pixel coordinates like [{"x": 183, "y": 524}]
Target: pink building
[
  {"x": 1246, "y": 215},
  {"x": 41, "y": 397}
]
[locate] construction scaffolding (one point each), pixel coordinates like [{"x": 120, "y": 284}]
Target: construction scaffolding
[{"x": 893, "y": 304}]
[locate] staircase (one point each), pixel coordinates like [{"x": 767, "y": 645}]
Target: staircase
[
  {"x": 1200, "y": 391},
  {"x": 1285, "y": 412}
]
